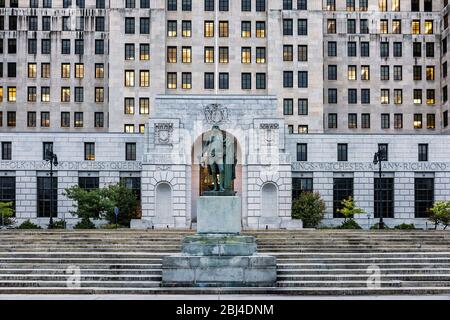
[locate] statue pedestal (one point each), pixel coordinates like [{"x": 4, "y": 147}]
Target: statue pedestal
[{"x": 217, "y": 256}]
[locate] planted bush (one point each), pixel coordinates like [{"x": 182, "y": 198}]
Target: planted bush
[
  {"x": 310, "y": 208},
  {"x": 405, "y": 226},
  {"x": 28, "y": 225}
]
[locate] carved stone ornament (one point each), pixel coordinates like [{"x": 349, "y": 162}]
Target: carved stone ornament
[
  {"x": 268, "y": 134},
  {"x": 163, "y": 133},
  {"x": 216, "y": 114},
  {"x": 269, "y": 126}
]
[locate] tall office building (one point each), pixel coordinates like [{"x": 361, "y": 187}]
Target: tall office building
[{"x": 101, "y": 82}]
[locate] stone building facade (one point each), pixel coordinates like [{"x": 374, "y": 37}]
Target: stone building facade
[{"x": 313, "y": 89}]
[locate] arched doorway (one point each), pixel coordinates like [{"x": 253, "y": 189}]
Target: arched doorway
[{"x": 201, "y": 180}]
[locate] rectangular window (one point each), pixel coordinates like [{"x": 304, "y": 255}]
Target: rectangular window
[
  {"x": 352, "y": 121},
  {"x": 79, "y": 46},
  {"x": 144, "y": 105},
  {"x": 260, "y": 29},
  {"x": 332, "y": 121},
  {"x": 99, "y": 70},
  {"x": 98, "y": 119},
  {"x": 398, "y": 121},
  {"x": 144, "y": 25},
  {"x": 186, "y": 80},
  {"x": 352, "y": 96},
  {"x": 144, "y": 78},
  {"x": 431, "y": 121},
  {"x": 47, "y": 196},
  {"x": 302, "y": 52},
  {"x": 260, "y": 55},
  {"x": 342, "y": 190},
  {"x": 79, "y": 94},
  {"x": 288, "y": 79},
  {"x": 365, "y": 120},
  {"x": 65, "y": 94},
  {"x": 384, "y": 197},
  {"x": 89, "y": 151},
  {"x": 209, "y": 80},
  {"x": 288, "y": 106},
  {"x": 31, "y": 119},
  {"x": 172, "y": 5},
  {"x": 260, "y": 81},
  {"x": 129, "y": 78},
  {"x": 209, "y": 29},
  {"x": 223, "y": 29},
  {"x": 302, "y": 107},
  {"x": 332, "y": 48},
  {"x": 342, "y": 152},
  {"x": 223, "y": 54},
  {"x": 303, "y": 79},
  {"x": 423, "y": 152},
  {"x": 332, "y": 96},
  {"x": 287, "y": 27},
  {"x": 423, "y": 196},
  {"x": 129, "y": 106},
  {"x": 129, "y": 25},
  {"x": 88, "y": 182},
  {"x": 78, "y": 119},
  {"x": 31, "y": 94},
  {"x": 186, "y": 28},
  {"x": 365, "y": 73},
  {"x": 130, "y": 151},
  {"x": 171, "y": 80},
  {"x": 99, "y": 94},
  {"x": 246, "y": 29},
  {"x": 65, "y": 119},
  {"x": 300, "y": 185},
  {"x": 385, "y": 121},
  {"x": 45, "y": 119},
  {"x": 246, "y": 81},
  {"x": 224, "y": 80},
  {"x": 144, "y": 51},
  {"x": 302, "y": 152},
  {"x": 6, "y": 150},
  {"x": 8, "y": 189},
  {"x": 302, "y": 27},
  {"x": 129, "y": 51}
]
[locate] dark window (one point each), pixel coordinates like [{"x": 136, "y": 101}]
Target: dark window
[
  {"x": 302, "y": 4},
  {"x": 186, "y": 5},
  {"x": 288, "y": 106},
  {"x": 415, "y": 5},
  {"x": 65, "y": 119},
  {"x": 417, "y": 49},
  {"x": 79, "y": 46},
  {"x": 302, "y": 27},
  {"x": 144, "y": 26},
  {"x": 47, "y": 196},
  {"x": 133, "y": 183},
  {"x": 224, "y": 80},
  {"x": 260, "y": 81},
  {"x": 12, "y": 46},
  {"x": 78, "y": 120},
  {"x": 209, "y": 80},
  {"x": 223, "y": 5},
  {"x": 332, "y": 121},
  {"x": 427, "y": 5},
  {"x": 332, "y": 49},
  {"x": 384, "y": 197},
  {"x": 423, "y": 152},
  {"x": 342, "y": 152},
  {"x": 6, "y": 150},
  {"x": 288, "y": 79},
  {"x": 246, "y": 81},
  {"x": 303, "y": 79},
  {"x": 11, "y": 118},
  {"x": 365, "y": 51},
  {"x": 342, "y": 189},
  {"x": 99, "y": 46},
  {"x": 8, "y": 189},
  {"x": 47, "y": 148},
  {"x": 260, "y": 5},
  {"x": 209, "y": 5},
  {"x": 351, "y": 49},
  {"x": 332, "y": 95},
  {"x": 246, "y": 5},
  {"x": 130, "y": 151},
  {"x": 98, "y": 119},
  {"x": 445, "y": 116},
  {"x": 365, "y": 120},
  {"x": 302, "y": 152},
  {"x": 31, "y": 119},
  {"x": 287, "y": 27},
  {"x": 423, "y": 196},
  {"x": 65, "y": 46},
  {"x": 172, "y": 5},
  {"x": 99, "y": 23},
  {"x": 88, "y": 182},
  {"x": 129, "y": 25},
  {"x": 302, "y": 107},
  {"x": 300, "y": 185},
  {"x": 352, "y": 121}
]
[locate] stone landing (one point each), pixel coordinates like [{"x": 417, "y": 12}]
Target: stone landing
[{"x": 217, "y": 256}]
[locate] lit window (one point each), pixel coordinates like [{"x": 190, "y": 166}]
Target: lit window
[
  {"x": 260, "y": 29},
  {"x": 45, "y": 94},
  {"x": 129, "y": 106},
  {"x": 144, "y": 105},
  {"x": 415, "y": 27},
  {"x": 417, "y": 96},
  {"x": 99, "y": 94},
  {"x": 384, "y": 26},
  {"x": 144, "y": 51},
  {"x": 398, "y": 96},
  {"x": 129, "y": 128},
  {"x": 171, "y": 54},
  {"x": 223, "y": 54},
  {"x": 65, "y": 94},
  {"x": 186, "y": 80},
  {"x": 384, "y": 97},
  {"x": 141, "y": 128},
  {"x": 246, "y": 31},
  {"x": 144, "y": 78},
  {"x": 209, "y": 29},
  {"x": 32, "y": 70},
  {"x": 223, "y": 29},
  {"x": 365, "y": 72},
  {"x": 12, "y": 92},
  {"x": 79, "y": 70},
  {"x": 186, "y": 55},
  {"x": 351, "y": 72},
  {"x": 417, "y": 121},
  {"x": 45, "y": 119},
  {"x": 260, "y": 55},
  {"x": 129, "y": 78},
  {"x": 430, "y": 72},
  {"x": 395, "y": 5},
  {"x": 172, "y": 28},
  {"x": 428, "y": 27},
  {"x": 99, "y": 70},
  {"x": 65, "y": 70},
  {"x": 209, "y": 54},
  {"x": 246, "y": 55},
  {"x": 171, "y": 80},
  {"x": 382, "y": 5},
  {"x": 396, "y": 26},
  {"x": 186, "y": 29},
  {"x": 430, "y": 96}
]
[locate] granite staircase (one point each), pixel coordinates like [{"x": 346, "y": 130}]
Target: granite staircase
[{"x": 322, "y": 262}]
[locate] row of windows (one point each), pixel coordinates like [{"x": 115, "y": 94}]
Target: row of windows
[
  {"x": 385, "y": 118},
  {"x": 383, "y": 198},
  {"x": 385, "y": 94},
  {"x": 78, "y": 122},
  {"x": 208, "y": 29},
  {"x": 66, "y": 94},
  {"x": 46, "y": 47},
  {"x": 209, "y": 54},
  {"x": 382, "y": 5},
  {"x": 384, "y": 49},
  {"x": 342, "y": 151},
  {"x": 352, "y": 72},
  {"x": 209, "y": 80},
  {"x": 32, "y": 70},
  {"x": 396, "y": 26},
  {"x": 89, "y": 150},
  {"x": 223, "y": 5}
]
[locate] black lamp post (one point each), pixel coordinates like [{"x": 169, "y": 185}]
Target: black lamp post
[
  {"x": 378, "y": 157},
  {"x": 53, "y": 159}
]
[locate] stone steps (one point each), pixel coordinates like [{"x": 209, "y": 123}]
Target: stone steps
[{"x": 323, "y": 262}]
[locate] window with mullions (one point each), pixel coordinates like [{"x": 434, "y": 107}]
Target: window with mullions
[
  {"x": 186, "y": 28},
  {"x": 302, "y": 152},
  {"x": 186, "y": 5},
  {"x": 288, "y": 79},
  {"x": 31, "y": 119},
  {"x": 260, "y": 5},
  {"x": 186, "y": 80},
  {"x": 260, "y": 81},
  {"x": 65, "y": 46},
  {"x": 172, "y": 5},
  {"x": 100, "y": 4},
  {"x": 209, "y": 80},
  {"x": 332, "y": 48},
  {"x": 78, "y": 119},
  {"x": 352, "y": 121},
  {"x": 224, "y": 79},
  {"x": 302, "y": 4},
  {"x": 47, "y": 196},
  {"x": 89, "y": 151},
  {"x": 130, "y": 151},
  {"x": 209, "y": 5},
  {"x": 287, "y": 4},
  {"x": 287, "y": 27},
  {"x": 342, "y": 152},
  {"x": 365, "y": 120},
  {"x": 99, "y": 119},
  {"x": 144, "y": 25},
  {"x": 351, "y": 49},
  {"x": 88, "y": 183},
  {"x": 423, "y": 152},
  {"x": 129, "y": 25},
  {"x": 7, "y": 150},
  {"x": 423, "y": 196},
  {"x": 246, "y": 5},
  {"x": 301, "y": 185},
  {"x": 8, "y": 190},
  {"x": 288, "y": 106},
  {"x": 144, "y": 105},
  {"x": 383, "y": 197},
  {"x": 65, "y": 119},
  {"x": 385, "y": 121},
  {"x": 288, "y": 52},
  {"x": 130, "y": 3},
  {"x": 302, "y": 107},
  {"x": 223, "y": 5},
  {"x": 302, "y": 27},
  {"x": 246, "y": 81},
  {"x": 302, "y": 79},
  {"x": 342, "y": 189},
  {"x": 260, "y": 55}
]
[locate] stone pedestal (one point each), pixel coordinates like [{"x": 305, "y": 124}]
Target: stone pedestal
[{"x": 217, "y": 255}]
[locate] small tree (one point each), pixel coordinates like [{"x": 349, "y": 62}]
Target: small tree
[
  {"x": 89, "y": 204},
  {"x": 125, "y": 199},
  {"x": 349, "y": 209},
  {"x": 440, "y": 213},
  {"x": 310, "y": 208},
  {"x": 6, "y": 213}
]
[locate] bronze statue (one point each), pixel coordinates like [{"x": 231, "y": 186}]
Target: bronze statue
[{"x": 219, "y": 155}]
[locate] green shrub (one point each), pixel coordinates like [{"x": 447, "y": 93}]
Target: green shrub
[
  {"x": 110, "y": 226},
  {"x": 349, "y": 209},
  {"x": 310, "y": 208},
  {"x": 84, "y": 223},
  {"x": 405, "y": 226},
  {"x": 58, "y": 224},
  {"x": 440, "y": 213},
  {"x": 376, "y": 226},
  {"x": 349, "y": 224},
  {"x": 6, "y": 213},
  {"x": 28, "y": 225}
]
